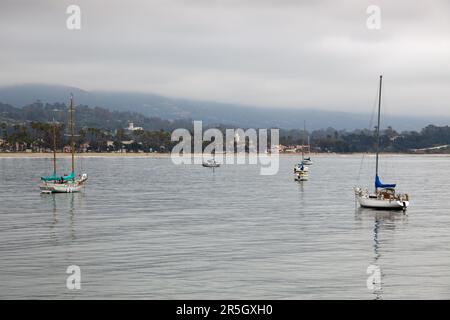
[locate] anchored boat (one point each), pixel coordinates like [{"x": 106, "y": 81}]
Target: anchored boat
[
  {"x": 384, "y": 195},
  {"x": 301, "y": 170},
  {"x": 211, "y": 164},
  {"x": 307, "y": 161},
  {"x": 66, "y": 183},
  {"x": 302, "y": 173}
]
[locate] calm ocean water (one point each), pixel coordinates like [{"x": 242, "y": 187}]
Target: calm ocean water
[{"x": 147, "y": 229}]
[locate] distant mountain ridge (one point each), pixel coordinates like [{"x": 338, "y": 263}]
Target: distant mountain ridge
[{"x": 152, "y": 105}]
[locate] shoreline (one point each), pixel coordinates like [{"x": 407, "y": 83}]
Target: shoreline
[{"x": 167, "y": 155}]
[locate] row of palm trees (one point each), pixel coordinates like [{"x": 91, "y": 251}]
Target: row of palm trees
[{"x": 38, "y": 137}]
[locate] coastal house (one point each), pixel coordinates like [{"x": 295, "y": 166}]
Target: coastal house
[
  {"x": 131, "y": 127},
  {"x": 393, "y": 138},
  {"x": 290, "y": 149},
  {"x": 279, "y": 148}
]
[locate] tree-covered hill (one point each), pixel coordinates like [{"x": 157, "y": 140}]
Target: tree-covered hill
[
  {"x": 85, "y": 116},
  {"x": 30, "y": 125}
]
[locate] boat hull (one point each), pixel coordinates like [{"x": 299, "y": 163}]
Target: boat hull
[
  {"x": 55, "y": 188},
  {"x": 375, "y": 203},
  {"x": 211, "y": 165},
  {"x": 301, "y": 176}
]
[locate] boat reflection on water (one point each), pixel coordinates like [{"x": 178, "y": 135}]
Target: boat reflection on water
[
  {"x": 63, "y": 207},
  {"x": 384, "y": 223}
]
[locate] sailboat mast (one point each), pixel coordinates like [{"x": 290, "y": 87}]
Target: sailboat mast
[
  {"x": 72, "y": 144},
  {"x": 309, "y": 146},
  {"x": 303, "y": 139},
  {"x": 378, "y": 128},
  {"x": 54, "y": 148}
]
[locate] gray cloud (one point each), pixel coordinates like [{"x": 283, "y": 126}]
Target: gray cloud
[{"x": 271, "y": 53}]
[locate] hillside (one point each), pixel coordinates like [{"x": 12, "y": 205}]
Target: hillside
[
  {"x": 151, "y": 105},
  {"x": 85, "y": 116}
]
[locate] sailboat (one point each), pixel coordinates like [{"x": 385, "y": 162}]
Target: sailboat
[
  {"x": 211, "y": 163},
  {"x": 301, "y": 170},
  {"x": 66, "y": 183},
  {"x": 384, "y": 195},
  {"x": 302, "y": 173}
]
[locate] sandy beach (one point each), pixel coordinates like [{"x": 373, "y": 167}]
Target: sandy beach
[
  {"x": 167, "y": 155},
  {"x": 83, "y": 155}
]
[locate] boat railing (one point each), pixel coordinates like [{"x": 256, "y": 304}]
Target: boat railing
[
  {"x": 402, "y": 197},
  {"x": 361, "y": 192}
]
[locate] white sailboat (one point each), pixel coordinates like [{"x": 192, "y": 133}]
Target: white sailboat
[
  {"x": 301, "y": 170},
  {"x": 384, "y": 196},
  {"x": 68, "y": 183}
]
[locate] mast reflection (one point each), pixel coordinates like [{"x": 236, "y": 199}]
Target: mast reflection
[{"x": 384, "y": 223}]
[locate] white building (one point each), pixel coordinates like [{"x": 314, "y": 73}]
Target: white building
[{"x": 131, "y": 127}]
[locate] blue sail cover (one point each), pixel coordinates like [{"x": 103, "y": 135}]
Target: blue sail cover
[
  {"x": 379, "y": 184},
  {"x": 50, "y": 178},
  {"x": 71, "y": 176}
]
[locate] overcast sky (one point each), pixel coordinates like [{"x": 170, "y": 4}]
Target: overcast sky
[{"x": 271, "y": 53}]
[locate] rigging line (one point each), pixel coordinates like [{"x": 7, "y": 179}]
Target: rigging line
[
  {"x": 374, "y": 106},
  {"x": 382, "y": 162}
]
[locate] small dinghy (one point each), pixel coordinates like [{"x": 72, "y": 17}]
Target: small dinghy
[{"x": 211, "y": 163}]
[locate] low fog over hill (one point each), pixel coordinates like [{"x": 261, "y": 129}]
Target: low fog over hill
[{"x": 152, "y": 105}]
